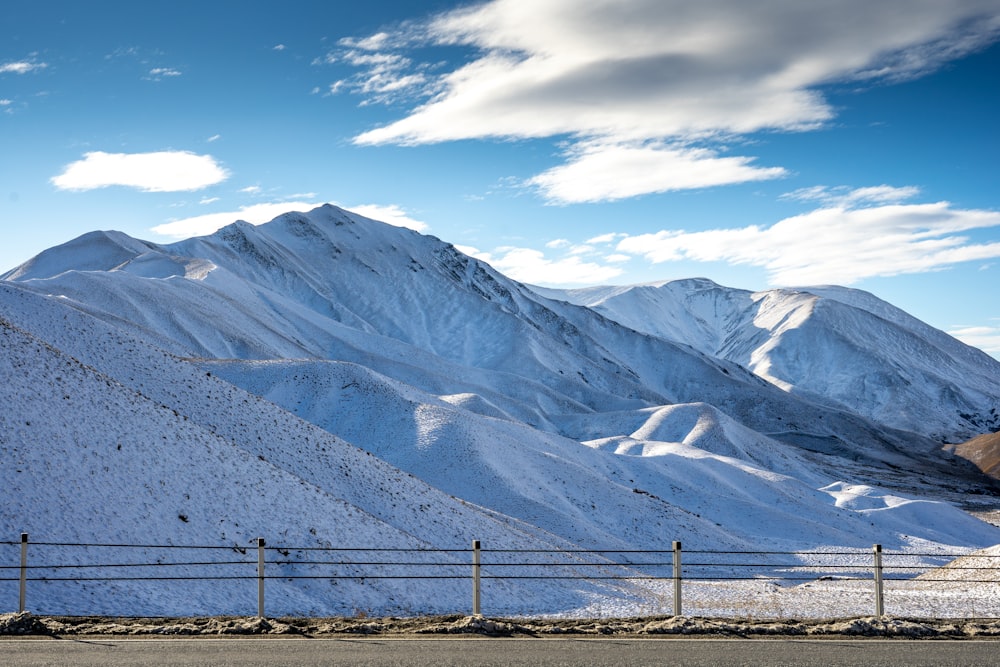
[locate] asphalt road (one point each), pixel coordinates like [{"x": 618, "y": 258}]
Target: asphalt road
[{"x": 267, "y": 652}]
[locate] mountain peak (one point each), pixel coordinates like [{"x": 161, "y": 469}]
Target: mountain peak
[{"x": 93, "y": 251}]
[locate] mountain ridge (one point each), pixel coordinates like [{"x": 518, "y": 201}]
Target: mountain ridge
[
  {"x": 756, "y": 333},
  {"x": 548, "y": 421}
]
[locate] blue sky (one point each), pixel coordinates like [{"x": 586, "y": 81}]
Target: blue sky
[{"x": 568, "y": 143}]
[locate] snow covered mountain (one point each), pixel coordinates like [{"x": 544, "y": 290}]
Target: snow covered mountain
[
  {"x": 840, "y": 345},
  {"x": 233, "y": 378}
]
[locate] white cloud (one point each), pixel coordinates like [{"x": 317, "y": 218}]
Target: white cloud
[
  {"x": 531, "y": 266},
  {"x": 603, "y": 239},
  {"x": 21, "y": 67},
  {"x": 471, "y": 251},
  {"x": 844, "y": 197},
  {"x": 6, "y": 103},
  {"x": 161, "y": 73},
  {"x": 213, "y": 138},
  {"x": 258, "y": 214},
  {"x": 328, "y": 59},
  {"x": 603, "y": 172},
  {"x": 391, "y": 214},
  {"x": 208, "y": 200},
  {"x": 123, "y": 52},
  {"x": 377, "y": 41},
  {"x": 279, "y": 47},
  {"x": 834, "y": 245},
  {"x": 652, "y": 87},
  {"x": 164, "y": 171},
  {"x": 986, "y": 338},
  {"x": 385, "y": 76}
]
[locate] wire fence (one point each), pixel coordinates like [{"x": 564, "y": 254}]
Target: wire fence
[{"x": 681, "y": 580}]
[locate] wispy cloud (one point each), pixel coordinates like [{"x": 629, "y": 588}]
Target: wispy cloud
[
  {"x": 532, "y": 266},
  {"x": 606, "y": 238},
  {"x": 384, "y": 76},
  {"x": 163, "y": 171},
  {"x": 650, "y": 92},
  {"x": 563, "y": 263},
  {"x": 160, "y": 73},
  {"x": 835, "y": 244},
  {"x": 21, "y": 67},
  {"x": 376, "y": 42},
  {"x": 986, "y": 338},
  {"x": 389, "y": 214},
  {"x": 845, "y": 197},
  {"x": 258, "y": 214}
]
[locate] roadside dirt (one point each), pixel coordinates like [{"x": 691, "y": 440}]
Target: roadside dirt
[{"x": 26, "y": 624}]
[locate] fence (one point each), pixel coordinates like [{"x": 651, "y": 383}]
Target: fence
[{"x": 671, "y": 572}]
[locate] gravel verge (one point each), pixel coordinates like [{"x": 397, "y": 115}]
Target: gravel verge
[{"x": 25, "y": 624}]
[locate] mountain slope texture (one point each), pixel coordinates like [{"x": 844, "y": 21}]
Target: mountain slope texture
[{"x": 326, "y": 380}]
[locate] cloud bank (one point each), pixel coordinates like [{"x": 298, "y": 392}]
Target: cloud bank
[
  {"x": 532, "y": 266},
  {"x": 651, "y": 91},
  {"x": 164, "y": 171},
  {"x": 854, "y": 235},
  {"x": 986, "y": 338},
  {"x": 834, "y": 245}
]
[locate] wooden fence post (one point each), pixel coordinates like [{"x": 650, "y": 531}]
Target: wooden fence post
[
  {"x": 260, "y": 577},
  {"x": 879, "y": 607},
  {"x": 22, "y": 590},
  {"x": 677, "y": 578},
  {"x": 476, "y": 611}
]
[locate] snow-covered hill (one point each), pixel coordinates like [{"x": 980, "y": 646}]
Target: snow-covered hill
[
  {"x": 841, "y": 345},
  {"x": 233, "y": 378}
]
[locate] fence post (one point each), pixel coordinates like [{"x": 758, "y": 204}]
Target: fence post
[
  {"x": 475, "y": 578},
  {"x": 879, "y": 608},
  {"x": 677, "y": 578},
  {"x": 21, "y": 596},
  {"x": 260, "y": 577}
]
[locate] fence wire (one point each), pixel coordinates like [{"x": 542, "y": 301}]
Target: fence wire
[{"x": 68, "y": 562}]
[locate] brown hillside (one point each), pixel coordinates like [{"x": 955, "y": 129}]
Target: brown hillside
[{"x": 984, "y": 451}]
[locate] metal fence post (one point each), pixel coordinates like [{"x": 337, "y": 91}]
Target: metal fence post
[
  {"x": 879, "y": 608},
  {"x": 21, "y": 596},
  {"x": 260, "y": 577},
  {"x": 677, "y": 578},
  {"x": 476, "y": 611}
]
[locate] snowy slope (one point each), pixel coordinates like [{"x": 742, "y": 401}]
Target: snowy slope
[
  {"x": 688, "y": 470},
  {"x": 181, "y": 457},
  {"x": 523, "y": 420},
  {"x": 330, "y": 285},
  {"x": 836, "y": 344}
]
